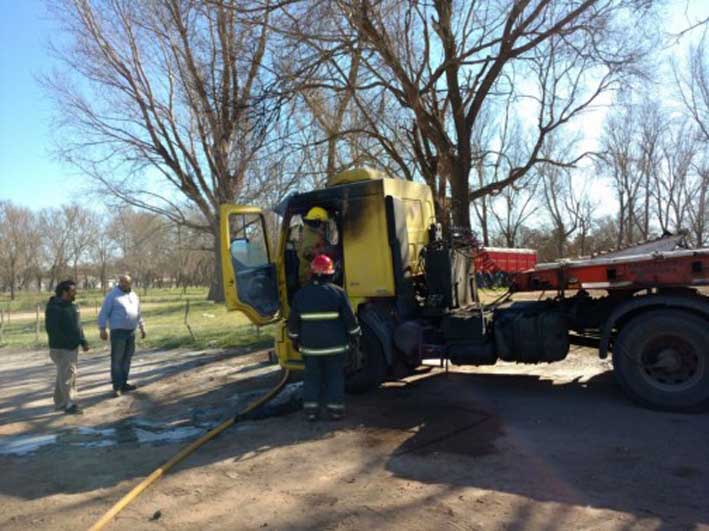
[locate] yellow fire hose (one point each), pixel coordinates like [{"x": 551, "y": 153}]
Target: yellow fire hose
[{"x": 182, "y": 454}]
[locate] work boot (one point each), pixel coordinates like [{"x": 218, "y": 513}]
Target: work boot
[
  {"x": 73, "y": 410},
  {"x": 335, "y": 411},
  {"x": 117, "y": 393},
  {"x": 311, "y": 412},
  {"x": 127, "y": 388}
]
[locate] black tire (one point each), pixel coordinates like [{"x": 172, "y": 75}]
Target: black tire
[
  {"x": 661, "y": 360},
  {"x": 374, "y": 370}
]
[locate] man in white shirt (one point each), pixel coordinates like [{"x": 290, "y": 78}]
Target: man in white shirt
[{"x": 121, "y": 313}]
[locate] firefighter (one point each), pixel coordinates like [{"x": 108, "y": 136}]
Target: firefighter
[
  {"x": 323, "y": 327},
  {"x": 313, "y": 242}
]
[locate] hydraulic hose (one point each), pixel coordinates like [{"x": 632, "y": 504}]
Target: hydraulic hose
[{"x": 185, "y": 452}]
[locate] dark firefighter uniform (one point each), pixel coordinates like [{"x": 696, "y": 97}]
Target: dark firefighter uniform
[{"x": 322, "y": 326}]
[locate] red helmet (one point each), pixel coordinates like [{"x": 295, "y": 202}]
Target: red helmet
[{"x": 322, "y": 265}]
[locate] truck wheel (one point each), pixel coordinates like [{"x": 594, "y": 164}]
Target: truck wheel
[
  {"x": 374, "y": 364},
  {"x": 661, "y": 360}
]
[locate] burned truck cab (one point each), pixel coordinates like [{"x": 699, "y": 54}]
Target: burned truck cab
[{"x": 376, "y": 233}]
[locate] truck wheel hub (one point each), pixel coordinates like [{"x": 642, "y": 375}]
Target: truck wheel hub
[{"x": 671, "y": 364}]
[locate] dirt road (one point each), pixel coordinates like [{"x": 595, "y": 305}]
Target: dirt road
[{"x": 508, "y": 447}]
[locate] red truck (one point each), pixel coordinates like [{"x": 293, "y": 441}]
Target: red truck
[
  {"x": 647, "y": 306},
  {"x": 494, "y": 259},
  {"x": 653, "y": 318}
]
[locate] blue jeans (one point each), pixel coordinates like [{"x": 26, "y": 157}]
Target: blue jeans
[
  {"x": 122, "y": 349},
  {"x": 324, "y": 382}
]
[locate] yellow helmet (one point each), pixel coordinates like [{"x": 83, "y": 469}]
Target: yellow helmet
[{"x": 316, "y": 213}]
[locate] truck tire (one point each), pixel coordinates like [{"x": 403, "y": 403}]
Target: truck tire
[
  {"x": 374, "y": 370},
  {"x": 661, "y": 360}
]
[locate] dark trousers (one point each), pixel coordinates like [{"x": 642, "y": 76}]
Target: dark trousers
[
  {"x": 122, "y": 349},
  {"x": 324, "y": 382}
]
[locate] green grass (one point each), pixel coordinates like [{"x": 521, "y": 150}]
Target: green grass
[
  {"x": 212, "y": 325},
  {"x": 28, "y": 301}
]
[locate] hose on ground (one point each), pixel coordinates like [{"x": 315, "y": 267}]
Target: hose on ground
[{"x": 185, "y": 452}]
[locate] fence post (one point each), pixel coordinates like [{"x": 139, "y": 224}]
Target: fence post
[
  {"x": 187, "y": 324},
  {"x": 2, "y": 325},
  {"x": 36, "y": 325}
]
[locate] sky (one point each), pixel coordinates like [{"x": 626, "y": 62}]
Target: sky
[{"x": 29, "y": 174}]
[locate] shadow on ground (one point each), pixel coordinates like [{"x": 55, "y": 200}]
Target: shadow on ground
[{"x": 577, "y": 442}]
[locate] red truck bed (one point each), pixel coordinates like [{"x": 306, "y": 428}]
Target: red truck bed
[
  {"x": 494, "y": 259},
  {"x": 665, "y": 269}
]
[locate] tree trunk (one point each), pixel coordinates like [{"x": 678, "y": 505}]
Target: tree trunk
[
  {"x": 12, "y": 281},
  {"x": 104, "y": 280},
  {"x": 646, "y": 218},
  {"x": 484, "y": 223},
  {"x": 560, "y": 242},
  {"x": 52, "y": 278},
  {"x": 216, "y": 287},
  {"x": 621, "y": 224},
  {"x": 460, "y": 192}
]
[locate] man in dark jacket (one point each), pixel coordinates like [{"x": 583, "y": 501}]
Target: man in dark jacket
[
  {"x": 63, "y": 326},
  {"x": 322, "y": 326}
]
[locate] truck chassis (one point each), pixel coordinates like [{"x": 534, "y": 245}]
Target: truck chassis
[{"x": 653, "y": 319}]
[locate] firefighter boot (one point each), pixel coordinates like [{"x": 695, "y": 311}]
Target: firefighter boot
[
  {"x": 311, "y": 410},
  {"x": 335, "y": 411}
]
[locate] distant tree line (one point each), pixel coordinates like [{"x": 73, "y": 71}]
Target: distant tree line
[
  {"x": 41, "y": 248},
  {"x": 222, "y": 101},
  {"x": 653, "y": 160}
]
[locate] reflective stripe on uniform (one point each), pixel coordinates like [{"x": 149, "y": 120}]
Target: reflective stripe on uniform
[
  {"x": 323, "y": 351},
  {"x": 320, "y": 316},
  {"x": 336, "y": 407},
  {"x": 356, "y": 330},
  {"x": 311, "y": 405},
  {"x": 292, "y": 335}
]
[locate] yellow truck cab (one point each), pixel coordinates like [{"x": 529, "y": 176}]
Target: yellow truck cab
[{"x": 377, "y": 231}]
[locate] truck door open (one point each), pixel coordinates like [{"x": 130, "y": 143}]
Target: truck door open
[{"x": 250, "y": 280}]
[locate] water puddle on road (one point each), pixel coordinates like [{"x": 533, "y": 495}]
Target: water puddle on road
[
  {"x": 25, "y": 444},
  {"x": 132, "y": 431},
  {"x": 142, "y": 431}
]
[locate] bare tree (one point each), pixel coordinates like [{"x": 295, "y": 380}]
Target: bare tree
[
  {"x": 587, "y": 222},
  {"x": 513, "y": 208},
  {"x": 144, "y": 244},
  {"x": 563, "y": 200},
  {"x": 698, "y": 207},
  {"x": 166, "y": 100},
  {"x": 342, "y": 124},
  {"x": 55, "y": 238},
  {"x": 81, "y": 225},
  {"x": 19, "y": 243},
  {"x": 674, "y": 186},
  {"x": 563, "y": 204},
  {"x": 102, "y": 249},
  {"x": 694, "y": 85},
  {"x": 652, "y": 126},
  {"x": 619, "y": 160},
  {"x": 444, "y": 61},
  {"x": 498, "y": 147}
]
